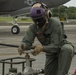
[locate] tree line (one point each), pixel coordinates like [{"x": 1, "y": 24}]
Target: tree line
[{"x": 64, "y": 12}]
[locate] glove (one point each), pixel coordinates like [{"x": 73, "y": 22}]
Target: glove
[
  {"x": 37, "y": 50},
  {"x": 21, "y": 49}
]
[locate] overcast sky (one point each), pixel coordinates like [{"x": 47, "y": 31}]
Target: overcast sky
[{"x": 71, "y": 3}]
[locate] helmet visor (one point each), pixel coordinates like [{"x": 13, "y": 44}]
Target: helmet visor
[{"x": 38, "y": 19}]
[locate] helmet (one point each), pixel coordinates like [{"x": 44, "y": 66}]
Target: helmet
[
  {"x": 38, "y": 15},
  {"x": 37, "y": 12}
]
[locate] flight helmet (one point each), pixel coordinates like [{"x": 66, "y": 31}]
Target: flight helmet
[{"x": 38, "y": 13}]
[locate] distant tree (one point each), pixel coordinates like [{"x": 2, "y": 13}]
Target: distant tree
[
  {"x": 64, "y": 11},
  {"x": 71, "y": 12},
  {"x": 55, "y": 12}
]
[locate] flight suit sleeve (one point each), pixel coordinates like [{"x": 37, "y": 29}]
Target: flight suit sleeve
[
  {"x": 28, "y": 39},
  {"x": 55, "y": 39}
]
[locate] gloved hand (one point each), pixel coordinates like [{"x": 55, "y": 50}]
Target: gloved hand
[
  {"x": 37, "y": 50},
  {"x": 21, "y": 49}
]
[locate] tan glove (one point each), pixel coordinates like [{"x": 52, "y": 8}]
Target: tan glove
[
  {"x": 37, "y": 50},
  {"x": 21, "y": 49}
]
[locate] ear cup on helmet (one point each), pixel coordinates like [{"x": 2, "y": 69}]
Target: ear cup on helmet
[{"x": 49, "y": 13}]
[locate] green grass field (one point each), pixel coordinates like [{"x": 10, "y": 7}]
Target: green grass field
[{"x": 9, "y": 19}]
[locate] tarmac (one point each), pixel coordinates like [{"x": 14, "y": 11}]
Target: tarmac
[{"x": 8, "y": 52}]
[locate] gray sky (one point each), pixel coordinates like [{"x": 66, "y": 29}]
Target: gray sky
[{"x": 71, "y": 3}]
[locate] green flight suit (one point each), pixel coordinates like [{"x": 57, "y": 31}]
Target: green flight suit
[{"x": 58, "y": 58}]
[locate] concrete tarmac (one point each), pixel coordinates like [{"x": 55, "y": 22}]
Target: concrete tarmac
[{"x": 8, "y": 38}]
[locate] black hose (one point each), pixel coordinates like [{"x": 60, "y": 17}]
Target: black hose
[{"x": 9, "y": 45}]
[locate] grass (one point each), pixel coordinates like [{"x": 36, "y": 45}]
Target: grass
[
  {"x": 9, "y": 19},
  {"x": 5, "y": 19}
]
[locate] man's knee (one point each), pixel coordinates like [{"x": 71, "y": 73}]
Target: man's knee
[{"x": 67, "y": 48}]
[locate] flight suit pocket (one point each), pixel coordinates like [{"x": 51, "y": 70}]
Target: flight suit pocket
[{"x": 40, "y": 37}]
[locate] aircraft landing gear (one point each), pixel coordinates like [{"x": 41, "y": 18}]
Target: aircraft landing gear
[{"x": 15, "y": 28}]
